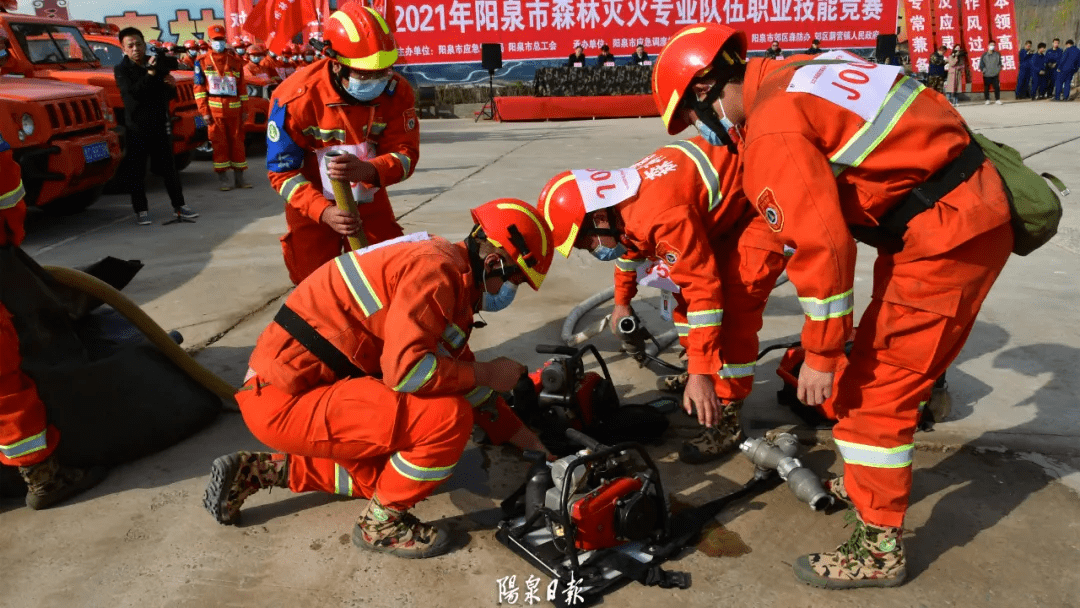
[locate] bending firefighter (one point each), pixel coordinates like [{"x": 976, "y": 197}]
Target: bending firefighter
[
  {"x": 221, "y": 92},
  {"x": 846, "y": 150},
  {"x": 683, "y": 208},
  {"x": 27, "y": 440},
  {"x": 353, "y": 102},
  {"x": 365, "y": 384}
]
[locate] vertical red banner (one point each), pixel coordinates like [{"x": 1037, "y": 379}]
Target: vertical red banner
[
  {"x": 920, "y": 24},
  {"x": 1003, "y": 32},
  {"x": 315, "y": 14},
  {"x": 236, "y": 14},
  {"x": 976, "y": 33},
  {"x": 946, "y": 21}
]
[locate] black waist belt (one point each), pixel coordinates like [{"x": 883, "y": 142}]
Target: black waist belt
[
  {"x": 889, "y": 233},
  {"x": 319, "y": 346}
]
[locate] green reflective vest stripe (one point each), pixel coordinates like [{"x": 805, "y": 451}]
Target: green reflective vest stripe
[
  {"x": 9, "y": 200},
  {"x": 829, "y": 308},
  {"x": 349, "y": 267},
  {"x": 418, "y": 375},
  {"x": 417, "y": 473},
  {"x": 289, "y": 186},
  {"x": 705, "y": 318},
  {"x": 324, "y": 134},
  {"x": 877, "y": 457},
  {"x": 406, "y": 163},
  {"x": 736, "y": 370},
  {"x": 479, "y": 395},
  {"x": 26, "y": 446},
  {"x": 705, "y": 167},
  {"x": 872, "y": 133},
  {"x": 342, "y": 481}
]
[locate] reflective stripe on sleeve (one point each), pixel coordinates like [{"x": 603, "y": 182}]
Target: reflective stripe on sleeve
[
  {"x": 418, "y": 375},
  {"x": 478, "y": 395},
  {"x": 406, "y": 163},
  {"x": 289, "y": 186},
  {"x": 683, "y": 329},
  {"x": 410, "y": 470},
  {"x": 736, "y": 370},
  {"x": 454, "y": 336},
  {"x": 872, "y": 133},
  {"x": 200, "y": 95},
  {"x": 358, "y": 285},
  {"x": 705, "y": 168},
  {"x": 873, "y": 456},
  {"x": 625, "y": 265},
  {"x": 10, "y": 199},
  {"x": 26, "y": 446},
  {"x": 705, "y": 318},
  {"x": 829, "y": 308},
  {"x": 342, "y": 481}
]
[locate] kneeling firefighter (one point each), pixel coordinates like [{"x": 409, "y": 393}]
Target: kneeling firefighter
[
  {"x": 682, "y": 206},
  {"x": 365, "y": 383}
]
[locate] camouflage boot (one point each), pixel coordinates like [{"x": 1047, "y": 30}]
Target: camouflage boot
[
  {"x": 835, "y": 486},
  {"x": 398, "y": 533},
  {"x": 672, "y": 384},
  {"x": 872, "y": 557},
  {"x": 715, "y": 441},
  {"x": 234, "y": 477},
  {"x": 48, "y": 483}
]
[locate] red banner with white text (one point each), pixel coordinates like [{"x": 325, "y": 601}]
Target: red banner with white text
[
  {"x": 946, "y": 18},
  {"x": 237, "y": 12},
  {"x": 973, "y": 19},
  {"x": 444, "y": 31},
  {"x": 920, "y": 24},
  {"x": 1003, "y": 32}
]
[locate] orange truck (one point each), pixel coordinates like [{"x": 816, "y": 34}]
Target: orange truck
[
  {"x": 56, "y": 50},
  {"x": 102, "y": 40},
  {"x": 64, "y": 138}
]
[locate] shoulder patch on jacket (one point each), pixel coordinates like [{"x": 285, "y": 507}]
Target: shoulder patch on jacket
[
  {"x": 770, "y": 210},
  {"x": 666, "y": 252},
  {"x": 410, "y": 119}
]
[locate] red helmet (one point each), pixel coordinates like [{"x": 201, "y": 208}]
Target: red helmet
[
  {"x": 215, "y": 32},
  {"x": 240, "y": 43},
  {"x": 289, "y": 50},
  {"x": 563, "y": 210},
  {"x": 204, "y": 45},
  {"x": 690, "y": 53},
  {"x": 515, "y": 226},
  {"x": 358, "y": 36},
  {"x": 191, "y": 45},
  {"x": 257, "y": 49},
  {"x": 169, "y": 46}
]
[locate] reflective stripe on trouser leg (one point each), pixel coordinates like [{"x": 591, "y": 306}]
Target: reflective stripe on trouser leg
[
  {"x": 343, "y": 483},
  {"x": 25, "y": 436},
  {"x": 879, "y": 391}
]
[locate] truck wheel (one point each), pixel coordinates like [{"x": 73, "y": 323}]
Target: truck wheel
[
  {"x": 73, "y": 203},
  {"x": 182, "y": 160}
]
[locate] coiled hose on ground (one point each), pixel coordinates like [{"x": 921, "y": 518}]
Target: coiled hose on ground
[{"x": 101, "y": 290}]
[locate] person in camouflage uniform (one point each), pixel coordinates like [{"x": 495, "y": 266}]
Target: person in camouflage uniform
[{"x": 936, "y": 73}]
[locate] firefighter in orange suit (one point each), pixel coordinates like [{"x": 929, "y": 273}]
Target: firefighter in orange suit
[
  {"x": 366, "y": 382},
  {"x": 221, "y": 93},
  {"x": 351, "y": 102},
  {"x": 27, "y": 440},
  {"x": 191, "y": 51},
  {"x": 259, "y": 65},
  {"x": 833, "y": 153},
  {"x": 683, "y": 208}
]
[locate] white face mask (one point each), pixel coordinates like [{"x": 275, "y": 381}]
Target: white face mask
[
  {"x": 218, "y": 46},
  {"x": 992, "y": 47}
]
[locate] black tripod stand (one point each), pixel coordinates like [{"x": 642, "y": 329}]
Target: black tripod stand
[{"x": 490, "y": 111}]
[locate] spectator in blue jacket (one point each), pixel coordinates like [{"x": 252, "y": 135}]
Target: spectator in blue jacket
[
  {"x": 1039, "y": 76},
  {"x": 1023, "y": 76},
  {"x": 1053, "y": 57},
  {"x": 1066, "y": 69}
]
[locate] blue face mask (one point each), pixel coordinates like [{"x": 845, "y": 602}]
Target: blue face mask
[
  {"x": 256, "y": 59},
  {"x": 3, "y": 53},
  {"x": 607, "y": 254},
  {"x": 218, "y": 46},
  {"x": 499, "y": 301},
  {"x": 710, "y": 136},
  {"x": 366, "y": 90}
]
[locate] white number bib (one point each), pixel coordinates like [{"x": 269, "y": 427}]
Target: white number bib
[
  {"x": 603, "y": 189},
  {"x": 857, "y": 86},
  {"x": 222, "y": 85},
  {"x": 656, "y": 273},
  {"x": 363, "y": 151}
]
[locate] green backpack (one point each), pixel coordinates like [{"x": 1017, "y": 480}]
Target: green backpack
[{"x": 1036, "y": 209}]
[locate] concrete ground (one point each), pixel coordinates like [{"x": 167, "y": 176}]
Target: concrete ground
[{"x": 994, "y": 508}]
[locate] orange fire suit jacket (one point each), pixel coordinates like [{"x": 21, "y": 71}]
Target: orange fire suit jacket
[
  {"x": 308, "y": 113},
  {"x": 12, "y": 193},
  {"x": 809, "y": 158},
  {"x": 212, "y": 65},
  {"x": 263, "y": 70},
  {"x": 402, "y": 313},
  {"x": 690, "y": 197}
]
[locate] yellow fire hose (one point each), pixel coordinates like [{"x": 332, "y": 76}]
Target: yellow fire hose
[
  {"x": 101, "y": 290},
  {"x": 344, "y": 198}
]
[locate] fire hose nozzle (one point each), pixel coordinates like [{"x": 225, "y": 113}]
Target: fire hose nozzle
[
  {"x": 780, "y": 457},
  {"x": 627, "y": 325}
]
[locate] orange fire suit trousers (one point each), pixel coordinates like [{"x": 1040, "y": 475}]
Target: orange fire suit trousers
[
  {"x": 227, "y": 137},
  {"x": 357, "y": 437},
  {"x": 26, "y": 438},
  {"x": 748, "y": 276},
  {"x": 921, "y": 313},
  {"x": 309, "y": 244}
]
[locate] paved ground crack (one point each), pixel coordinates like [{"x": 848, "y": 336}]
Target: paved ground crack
[{"x": 196, "y": 349}]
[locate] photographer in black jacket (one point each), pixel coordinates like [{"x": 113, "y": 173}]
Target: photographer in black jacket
[{"x": 147, "y": 86}]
